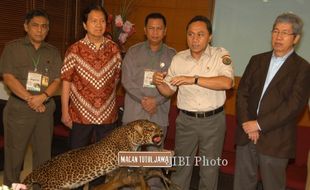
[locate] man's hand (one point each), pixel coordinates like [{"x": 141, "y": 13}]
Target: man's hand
[
  {"x": 254, "y": 136},
  {"x": 41, "y": 108},
  {"x": 158, "y": 77},
  {"x": 182, "y": 80},
  {"x": 149, "y": 104},
  {"x": 66, "y": 119},
  {"x": 252, "y": 130},
  {"x": 36, "y": 101},
  {"x": 250, "y": 126}
]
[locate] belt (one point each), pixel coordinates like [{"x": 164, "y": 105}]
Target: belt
[
  {"x": 16, "y": 97},
  {"x": 203, "y": 114}
]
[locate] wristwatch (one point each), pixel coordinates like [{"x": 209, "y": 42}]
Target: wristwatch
[
  {"x": 196, "y": 79},
  {"x": 47, "y": 97}
]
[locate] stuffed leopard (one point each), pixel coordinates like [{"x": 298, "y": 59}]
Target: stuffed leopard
[{"x": 78, "y": 167}]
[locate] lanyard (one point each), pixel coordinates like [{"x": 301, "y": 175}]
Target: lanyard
[{"x": 35, "y": 62}]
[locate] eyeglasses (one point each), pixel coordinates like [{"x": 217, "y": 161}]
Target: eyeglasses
[{"x": 281, "y": 33}]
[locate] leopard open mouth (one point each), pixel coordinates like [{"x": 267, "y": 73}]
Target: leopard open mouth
[{"x": 156, "y": 139}]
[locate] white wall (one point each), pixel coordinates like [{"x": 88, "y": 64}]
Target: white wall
[
  {"x": 244, "y": 27},
  {"x": 4, "y": 92}
]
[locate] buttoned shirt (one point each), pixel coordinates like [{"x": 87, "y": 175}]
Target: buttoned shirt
[
  {"x": 138, "y": 65},
  {"x": 211, "y": 64},
  {"x": 18, "y": 57},
  {"x": 275, "y": 65},
  {"x": 94, "y": 74}
]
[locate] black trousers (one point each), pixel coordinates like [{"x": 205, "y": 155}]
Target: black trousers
[{"x": 82, "y": 135}]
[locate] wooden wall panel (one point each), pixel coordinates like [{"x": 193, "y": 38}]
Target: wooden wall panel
[
  {"x": 177, "y": 12},
  {"x": 59, "y": 12},
  {"x": 80, "y": 6},
  {"x": 65, "y": 22},
  {"x": 11, "y": 25}
]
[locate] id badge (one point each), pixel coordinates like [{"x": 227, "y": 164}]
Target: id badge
[
  {"x": 34, "y": 82},
  {"x": 148, "y": 79},
  {"x": 45, "y": 81}
]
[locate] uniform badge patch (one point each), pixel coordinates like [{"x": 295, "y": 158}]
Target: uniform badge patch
[{"x": 226, "y": 60}]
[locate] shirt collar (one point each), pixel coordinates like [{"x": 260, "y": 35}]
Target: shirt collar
[
  {"x": 206, "y": 52},
  {"x": 86, "y": 41},
  {"x": 283, "y": 58},
  {"x": 28, "y": 42},
  {"x": 147, "y": 45}
]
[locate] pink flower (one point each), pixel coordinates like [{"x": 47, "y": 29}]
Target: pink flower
[
  {"x": 118, "y": 21},
  {"x": 127, "y": 27},
  {"x": 18, "y": 186},
  {"x": 132, "y": 31},
  {"x": 122, "y": 37}
]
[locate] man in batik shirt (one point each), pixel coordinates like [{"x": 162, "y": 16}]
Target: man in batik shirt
[{"x": 90, "y": 75}]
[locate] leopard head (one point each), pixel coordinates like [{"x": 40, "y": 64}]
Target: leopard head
[{"x": 145, "y": 132}]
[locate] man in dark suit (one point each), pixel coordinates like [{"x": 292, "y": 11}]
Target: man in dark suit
[{"x": 273, "y": 91}]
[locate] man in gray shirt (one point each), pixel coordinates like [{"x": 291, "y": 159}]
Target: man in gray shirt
[{"x": 142, "y": 99}]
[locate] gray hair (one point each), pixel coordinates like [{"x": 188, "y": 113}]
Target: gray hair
[{"x": 291, "y": 18}]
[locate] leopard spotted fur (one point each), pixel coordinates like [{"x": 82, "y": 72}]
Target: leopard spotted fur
[{"x": 77, "y": 167}]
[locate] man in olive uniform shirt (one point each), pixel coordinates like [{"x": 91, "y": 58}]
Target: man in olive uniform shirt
[{"x": 30, "y": 68}]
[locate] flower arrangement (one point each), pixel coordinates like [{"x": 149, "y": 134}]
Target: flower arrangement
[
  {"x": 15, "y": 186},
  {"x": 4, "y": 187},
  {"x": 119, "y": 28}
]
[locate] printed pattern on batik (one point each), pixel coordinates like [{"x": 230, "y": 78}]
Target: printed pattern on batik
[{"x": 94, "y": 75}]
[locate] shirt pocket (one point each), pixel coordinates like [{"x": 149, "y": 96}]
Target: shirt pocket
[{"x": 21, "y": 70}]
